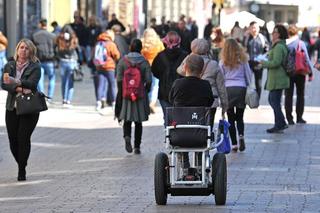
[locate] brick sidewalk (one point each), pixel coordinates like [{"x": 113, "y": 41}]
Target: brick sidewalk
[{"x": 78, "y": 164}]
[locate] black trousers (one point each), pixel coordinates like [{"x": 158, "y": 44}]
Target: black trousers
[
  {"x": 137, "y": 132},
  {"x": 20, "y": 129},
  {"x": 299, "y": 82},
  {"x": 235, "y": 115}
]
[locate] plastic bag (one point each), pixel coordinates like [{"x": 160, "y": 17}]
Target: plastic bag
[{"x": 224, "y": 129}]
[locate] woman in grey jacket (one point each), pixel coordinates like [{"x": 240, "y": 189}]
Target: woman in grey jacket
[
  {"x": 138, "y": 110},
  {"x": 212, "y": 73},
  {"x": 21, "y": 76}
]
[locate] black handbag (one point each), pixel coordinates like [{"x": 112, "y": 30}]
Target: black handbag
[{"x": 34, "y": 102}]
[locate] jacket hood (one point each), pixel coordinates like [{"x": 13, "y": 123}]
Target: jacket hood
[{"x": 135, "y": 58}]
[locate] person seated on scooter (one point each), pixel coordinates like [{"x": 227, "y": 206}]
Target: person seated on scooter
[{"x": 191, "y": 91}]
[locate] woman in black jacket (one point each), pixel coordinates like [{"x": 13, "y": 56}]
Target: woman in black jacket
[
  {"x": 164, "y": 67},
  {"x": 21, "y": 76}
]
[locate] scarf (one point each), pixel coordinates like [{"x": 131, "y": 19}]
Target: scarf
[
  {"x": 20, "y": 67},
  {"x": 171, "y": 41}
]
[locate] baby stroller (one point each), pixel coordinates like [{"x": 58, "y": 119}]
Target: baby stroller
[{"x": 188, "y": 130}]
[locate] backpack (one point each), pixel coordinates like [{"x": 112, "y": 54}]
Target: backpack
[
  {"x": 100, "y": 54},
  {"x": 289, "y": 63},
  {"x": 295, "y": 62},
  {"x": 132, "y": 85}
]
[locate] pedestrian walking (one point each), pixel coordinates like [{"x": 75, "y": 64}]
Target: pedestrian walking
[
  {"x": 277, "y": 78},
  {"x": 21, "y": 76},
  {"x": 151, "y": 46},
  {"x": 185, "y": 35},
  {"x": 56, "y": 28},
  {"x": 212, "y": 73},
  {"x": 237, "y": 74},
  {"x": 45, "y": 43},
  {"x": 165, "y": 65},
  {"x": 256, "y": 45},
  {"x": 217, "y": 42},
  {"x": 106, "y": 71},
  {"x": 237, "y": 32},
  {"x": 82, "y": 33},
  {"x": 114, "y": 21},
  {"x": 3, "y": 48},
  {"x": 133, "y": 110},
  {"x": 297, "y": 80},
  {"x": 67, "y": 46}
]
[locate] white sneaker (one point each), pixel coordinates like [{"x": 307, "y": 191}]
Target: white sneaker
[{"x": 98, "y": 105}]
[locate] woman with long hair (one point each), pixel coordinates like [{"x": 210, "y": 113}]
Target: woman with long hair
[
  {"x": 235, "y": 67},
  {"x": 151, "y": 46},
  {"x": 67, "y": 46},
  {"x": 21, "y": 76}
]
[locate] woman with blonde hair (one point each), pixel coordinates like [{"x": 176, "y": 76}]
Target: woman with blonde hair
[
  {"x": 151, "y": 47},
  {"x": 21, "y": 76},
  {"x": 237, "y": 75}
]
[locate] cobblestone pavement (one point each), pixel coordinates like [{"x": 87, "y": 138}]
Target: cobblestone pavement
[{"x": 78, "y": 164}]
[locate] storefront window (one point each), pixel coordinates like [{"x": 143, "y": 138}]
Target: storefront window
[{"x": 31, "y": 10}]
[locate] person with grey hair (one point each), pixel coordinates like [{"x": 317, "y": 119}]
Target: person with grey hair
[
  {"x": 211, "y": 72},
  {"x": 191, "y": 91}
]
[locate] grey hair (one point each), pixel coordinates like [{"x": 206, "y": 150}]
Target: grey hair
[{"x": 200, "y": 46}]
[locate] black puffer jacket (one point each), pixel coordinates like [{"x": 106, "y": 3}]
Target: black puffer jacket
[{"x": 164, "y": 67}]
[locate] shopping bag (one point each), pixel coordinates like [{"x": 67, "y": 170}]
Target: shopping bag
[
  {"x": 224, "y": 147},
  {"x": 34, "y": 102},
  {"x": 252, "y": 97}
]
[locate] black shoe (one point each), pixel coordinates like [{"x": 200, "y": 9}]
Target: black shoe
[
  {"x": 284, "y": 127},
  {"x": 301, "y": 121},
  {"x": 242, "y": 146},
  {"x": 137, "y": 151},
  {"x": 128, "y": 146},
  {"x": 274, "y": 130},
  {"x": 290, "y": 122},
  {"x": 22, "y": 175}
]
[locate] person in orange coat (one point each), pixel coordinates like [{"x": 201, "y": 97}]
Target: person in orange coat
[
  {"x": 106, "y": 72},
  {"x": 151, "y": 46}
]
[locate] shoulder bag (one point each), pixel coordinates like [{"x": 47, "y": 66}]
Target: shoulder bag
[{"x": 34, "y": 102}]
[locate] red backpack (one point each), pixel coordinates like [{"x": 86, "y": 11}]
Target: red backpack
[{"x": 132, "y": 85}]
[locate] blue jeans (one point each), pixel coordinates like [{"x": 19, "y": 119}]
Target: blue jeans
[
  {"x": 66, "y": 72},
  {"x": 106, "y": 82},
  {"x": 47, "y": 68},
  {"x": 153, "y": 94},
  {"x": 275, "y": 102}
]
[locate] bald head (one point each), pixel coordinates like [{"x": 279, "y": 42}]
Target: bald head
[{"x": 194, "y": 65}]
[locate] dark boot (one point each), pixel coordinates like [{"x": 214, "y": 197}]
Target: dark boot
[
  {"x": 22, "y": 174},
  {"x": 136, "y": 149},
  {"x": 128, "y": 146}
]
